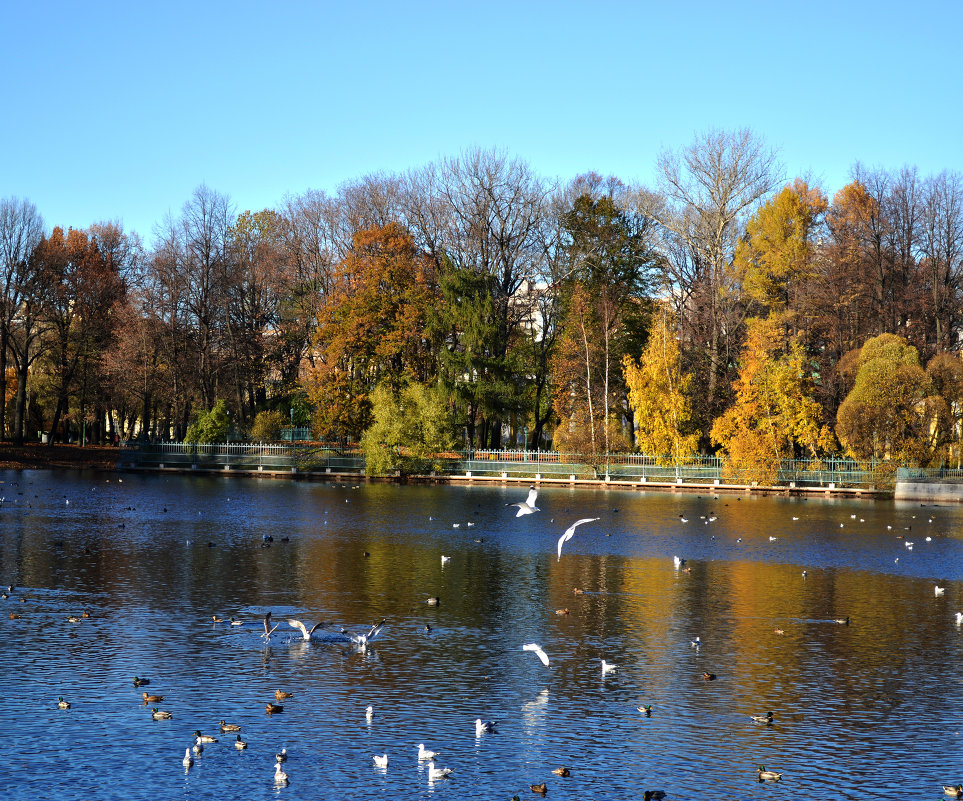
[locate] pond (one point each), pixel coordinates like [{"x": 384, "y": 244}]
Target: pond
[{"x": 868, "y": 708}]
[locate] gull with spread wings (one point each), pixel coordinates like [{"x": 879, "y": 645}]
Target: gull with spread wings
[
  {"x": 527, "y": 506},
  {"x": 570, "y": 532},
  {"x": 305, "y": 631}
]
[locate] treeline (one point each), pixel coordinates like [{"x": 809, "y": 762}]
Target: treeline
[{"x": 473, "y": 303}]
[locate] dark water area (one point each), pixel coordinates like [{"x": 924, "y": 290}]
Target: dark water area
[{"x": 872, "y": 708}]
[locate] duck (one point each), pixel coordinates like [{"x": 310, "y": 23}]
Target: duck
[
  {"x": 380, "y": 761},
  {"x": 765, "y": 719},
  {"x": 767, "y": 775},
  {"x": 281, "y": 756},
  {"x": 226, "y": 727},
  {"x": 280, "y": 777},
  {"x": 577, "y": 590},
  {"x": 280, "y": 695},
  {"x": 198, "y": 747},
  {"x": 539, "y": 788},
  {"x": 139, "y": 682},
  {"x": 158, "y": 714},
  {"x": 561, "y": 611},
  {"x": 655, "y": 795},
  {"x": 73, "y": 619},
  {"x": 563, "y": 772},
  {"x": 152, "y": 699},
  {"x": 434, "y": 600},
  {"x": 239, "y": 744},
  {"x": 645, "y": 709},
  {"x": 204, "y": 738},
  {"x": 188, "y": 760},
  {"x": 842, "y": 621},
  {"x": 953, "y": 790},
  {"x": 272, "y": 708},
  {"x": 707, "y": 676},
  {"x": 217, "y": 619},
  {"x": 61, "y": 704},
  {"x": 424, "y": 754}
]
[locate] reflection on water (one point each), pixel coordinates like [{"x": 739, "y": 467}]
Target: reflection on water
[{"x": 869, "y": 705}]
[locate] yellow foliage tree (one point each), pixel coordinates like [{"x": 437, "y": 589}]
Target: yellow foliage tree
[
  {"x": 659, "y": 396},
  {"x": 775, "y": 414}
]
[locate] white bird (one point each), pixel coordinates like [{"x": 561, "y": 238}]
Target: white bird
[
  {"x": 364, "y": 639},
  {"x": 772, "y": 539},
  {"x": 532, "y": 646},
  {"x": 570, "y": 532},
  {"x": 959, "y": 618},
  {"x": 280, "y": 777},
  {"x": 527, "y": 506},
  {"x": 380, "y": 761},
  {"x": 424, "y": 753},
  {"x": 696, "y": 643},
  {"x": 938, "y": 590},
  {"x": 456, "y": 525},
  {"x": 678, "y": 561},
  {"x": 188, "y": 760},
  {"x": 268, "y": 629},
  {"x": 445, "y": 559},
  {"x": 470, "y": 524},
  {"x": 305, "y": 631},
  {"x": 683, "y": 519},
  {"x": 481, "y": 726},
  {"x": 197, "y": 747},
  {"x": 438, "y": 773},
  {"x": 608, "y": 667},
  {"x": 795, "y": 518},
  {"x": 369, "y": 713}
]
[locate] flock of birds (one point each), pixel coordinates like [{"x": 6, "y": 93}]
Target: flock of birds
[{"x": 427, "y": 757}]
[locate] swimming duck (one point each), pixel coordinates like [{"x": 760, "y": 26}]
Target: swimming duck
[
  {"x": 842, "y": 621},
  {"x": 158, "y": 714},
  {"x": 563, "y": 772},
  {"x": 204, "y": 738},
  {"x": 655, "y": 795},
  {"x": 539, "y": 788},
  {"x": 434, "y": 600},
  {"x": 281, "y": 756},
  {"x": 272, "y": 708},
  {"x": 767, "y": 775},
  {"x": 765, "y": 719},
  {"x": 217, "y": 619},
  {"x": 139, "y": 682},
  {"x": 646, "y": 710},
  {"x": 561, "y": 611},
  {"x": 707, "y": 676},
  {"x": 61, "y": 704},
  {"x": 280, "y": 695},
  {"x": 152, "y": 699},
  {"x": 953, "y": 790},
  {"x": 239, "y": 744},
  {"x": 226, "y": 727},
  {"x": 73, "y": 619}
]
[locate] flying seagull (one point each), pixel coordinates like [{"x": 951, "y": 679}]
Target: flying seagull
[
  {"x": 527, "y": 506},
  {"x": 570, "y": 532},
  {"x": 305, "y": 631},
  {"x": 533, "y": 646},
  {"x": 363, "y": 639},
  {"x": 268, "y": 629}
]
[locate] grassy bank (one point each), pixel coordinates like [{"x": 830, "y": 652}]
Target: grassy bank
[{"x": 34, "y": 456}]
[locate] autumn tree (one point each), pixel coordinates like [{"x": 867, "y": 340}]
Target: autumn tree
[
  {"x": 659, "y": 395},
  {"x": 774, "y": 415},
  {"x": 373, "y": 329},
  {"x": 885, "y": 415}
]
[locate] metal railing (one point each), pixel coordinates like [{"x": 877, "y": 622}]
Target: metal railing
[{"x": 517, "y": 464}]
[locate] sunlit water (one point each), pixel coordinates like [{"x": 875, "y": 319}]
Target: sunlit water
[{"x": 867, "y": 709}]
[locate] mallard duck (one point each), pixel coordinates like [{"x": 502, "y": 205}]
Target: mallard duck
[
  {"x": 188, "y": 760},
  {"x": 239, "y": 744},
  {"x": 645, "y": 709},
  {"x": 953, "y": 790},
  {"x": 655, "y": 795},
  {"x": 380, "y": 761},
  {"x": 281, "y": 756},
  {"x": 707, "y": 676},
  {"x": 577, "y": 591},
  {"x": 225, "y": 727},
  {"x": 280, "y": 777},
  {"x": 561, "y": 611},
  {"x": 563, "y": 772},
  {"x": 280, "y": 695},
  {"x": 842, "y": 621},
  {"x": 765, "y": 719},
  {"x": 139, "y": 682},
  {"x": 767, "y": 775},
  {"x": 85, "y": 613},
  {"x": 73, "y": 619},
  {"x": 14, "y": 616},
  {"x": 272, "y": 708},
  {"x": 434, "y": 600},
  {"x": 539, "y": 788},
  {"x": 61, "y": 704},
  {"x": 204, "y": 738},
  {"x": 152, "y": 699},
  {"x": 217, "y": 619},
  {"x": 158, "y": 714}
]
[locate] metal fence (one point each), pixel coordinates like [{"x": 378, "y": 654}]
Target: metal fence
[{"x": 516, "y": 464}]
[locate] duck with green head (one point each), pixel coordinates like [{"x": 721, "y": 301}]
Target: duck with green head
[{"x": 158, "y": 714}]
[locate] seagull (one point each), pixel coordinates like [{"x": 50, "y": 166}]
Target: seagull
[
  {"x": 369, "y": 713},
  {"x": 527, "y": 506},
  {"x": 197, "y": 748},
  {"x": 280, "y": 777},
  {"x": 438, "y": 773},
  {"x": 188, "y": 760},
  {"x": 380, "y": 761},
  {"x": 696, "y": 643},
  {"x": 482, "y": 726},
  {"x": 678, "y": 561},
  {"x": 959, "y": 618},
  {"x": 772, "y": 539},
  {"x": 532, "y": 646},
  {"x": 607, "y": 667},
  {"x": 764, "y": 719},
  {"x": 305, "y": 632},
  {"x": 424, "y": 753},
  {"x": 362, "y": 640},
  {"x": 445, "y": 559},
  {"x": 268, "y": 630},
  {"x": 938, "y": 590},
  {"x": 570, "y": 532}
]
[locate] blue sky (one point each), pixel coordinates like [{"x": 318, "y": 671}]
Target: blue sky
[{"x": 119, "y": 110}]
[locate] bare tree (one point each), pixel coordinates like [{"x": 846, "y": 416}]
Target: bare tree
[
  {"x": 711, "y": 187},
  {"x": 942, "y": 253}
]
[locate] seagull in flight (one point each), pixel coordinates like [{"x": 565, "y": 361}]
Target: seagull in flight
[
  {"x": 570, "y": 532},
  {"x": 534, "y": 646},
  {"x": 305, "y": 631},
  {"x": 268, "y": 630},
  {"x": 527, "y": 506},
  {"x": 362, "y": 640}
]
